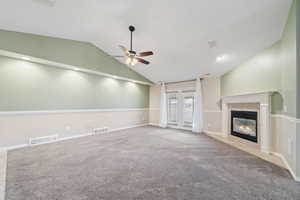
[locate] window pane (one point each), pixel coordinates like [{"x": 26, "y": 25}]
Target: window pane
[
  {"x": 188, "y": 110},
  {"x": 172, "y": 110}
]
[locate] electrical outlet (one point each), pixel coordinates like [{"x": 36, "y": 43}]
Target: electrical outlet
[{"x": 68, "y": 128}]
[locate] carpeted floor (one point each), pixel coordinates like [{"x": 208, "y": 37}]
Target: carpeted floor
[{"x": 144, "y": 163}]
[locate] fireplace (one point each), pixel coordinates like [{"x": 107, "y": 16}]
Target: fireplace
[{"x": 244, "y": 125}]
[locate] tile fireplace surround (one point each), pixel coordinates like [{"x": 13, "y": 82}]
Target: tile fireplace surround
[{"x": 263, "y": 100}]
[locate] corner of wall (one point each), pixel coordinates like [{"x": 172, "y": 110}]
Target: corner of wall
[
  {"x": 298, "y": 55},
  {"x": 297, "y": 146},
  {"x": 298, "y": 90}
]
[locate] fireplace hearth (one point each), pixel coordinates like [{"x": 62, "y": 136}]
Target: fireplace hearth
[{"x": 244, "y": 125}]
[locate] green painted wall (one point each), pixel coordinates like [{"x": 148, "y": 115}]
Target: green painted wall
[
  {"x": 272, "y": 69},
  {"x": 70, "y": 52},
  {"x": 289, "y": 64},
  {"x": 26, "y": 86}
]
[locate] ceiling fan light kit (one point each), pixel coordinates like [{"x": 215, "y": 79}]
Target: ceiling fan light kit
[{"x": 132, "y": 58}]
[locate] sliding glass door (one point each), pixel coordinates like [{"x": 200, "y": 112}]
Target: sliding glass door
[{"x": 180, "y": 109}]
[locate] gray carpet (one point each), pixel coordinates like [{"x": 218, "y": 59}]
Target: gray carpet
[{"x": 144, "y": 163}]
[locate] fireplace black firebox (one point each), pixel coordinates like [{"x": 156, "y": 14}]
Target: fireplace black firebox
[{"x": 244, "y": 125}]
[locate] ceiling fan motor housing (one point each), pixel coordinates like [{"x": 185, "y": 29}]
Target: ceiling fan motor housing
[
  {"x": 132, "y": 52},
  {"x": 131, "y": 28}
]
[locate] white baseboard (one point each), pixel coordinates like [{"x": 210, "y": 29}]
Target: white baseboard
[
  {"x": 179, "y": 128},
  {"x": 287, "y": 165},
  {"x": 73, "y": 137},
  {"x": 5, "y": 149},
  {"x": 128, "y": 127},
  {"x": 153, "y": 124},
  {"x": 3, "y": 169},
  {"x": 214, "y": 133}
]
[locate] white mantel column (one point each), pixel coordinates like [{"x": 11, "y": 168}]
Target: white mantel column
[
  {"x": 265, "y": 128},
  {"x": 225, "y": 120}
]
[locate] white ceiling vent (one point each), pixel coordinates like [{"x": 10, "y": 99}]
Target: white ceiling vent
[
  {"x": 43, "y": 140},
  {"x": 212, "y": 44}
]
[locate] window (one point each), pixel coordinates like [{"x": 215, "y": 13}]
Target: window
[
  {"x": 172, "y": 109},
  {"x": 188, "y": 110}
]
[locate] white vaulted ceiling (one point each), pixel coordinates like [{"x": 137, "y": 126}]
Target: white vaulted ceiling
[{"x": 177, "y": 31}]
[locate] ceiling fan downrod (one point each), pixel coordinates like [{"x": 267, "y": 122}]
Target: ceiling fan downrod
[{"x": 131, "y": 29}]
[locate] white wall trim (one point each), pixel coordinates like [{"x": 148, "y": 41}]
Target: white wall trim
[
  {"x": 67, "y": 138},
  {"x": 3, "y": 170},
  {"x": 251, "y": 93},
  {"x": 20, "y": 146},
  {"x": 153, "y": 124},
  {"x": 212, "y": 111},
  {"x": 171, "y": 126},
  {"x": 154, "y": 109},
  {"x": 128, "y": 127},
  {"x": 68, "y": 67},
  {"x": 71, "y": 111},
  {"x": 214, "y": 133},
  {"x": 184, "y": 89},
  {"x": 5, "y": 149},
  {"x": 292, "y": 119},
  {"x": 179, "y": 127},
  {"x": 287, "y": 165},
  {"x": 207, "y": 111}
]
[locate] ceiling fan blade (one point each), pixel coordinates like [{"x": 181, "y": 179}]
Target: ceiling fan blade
[
  {"x": 143, "y": 61},
  {"x": 147, "y": 53}
]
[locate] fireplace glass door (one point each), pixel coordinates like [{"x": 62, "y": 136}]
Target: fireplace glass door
[{"x": 244, "y": 125}]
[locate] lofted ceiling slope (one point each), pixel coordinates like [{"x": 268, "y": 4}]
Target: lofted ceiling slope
[{"x": 177, "y": 31}]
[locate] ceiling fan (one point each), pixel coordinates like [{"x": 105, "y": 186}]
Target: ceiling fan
[{"x": 131, "y": 56}]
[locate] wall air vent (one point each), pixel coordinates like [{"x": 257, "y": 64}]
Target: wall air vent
[
  {"x": 43, "y": 140},
  {"x": 97, "y": 131}
]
